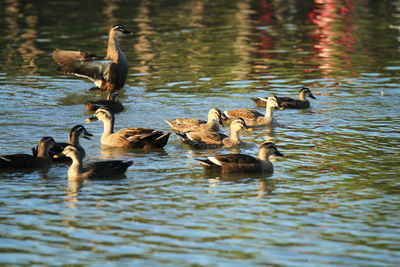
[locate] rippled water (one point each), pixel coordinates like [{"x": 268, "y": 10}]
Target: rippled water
[{"x": 334, "y": 197}]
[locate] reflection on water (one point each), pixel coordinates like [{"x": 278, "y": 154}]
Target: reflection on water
[{"x": 333, "y": 199}]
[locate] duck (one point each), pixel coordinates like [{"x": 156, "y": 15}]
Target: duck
[
  {"x": 129, "y": 137},
  {"x": 230, "y": 163},
  {"x": 42, "y": 158},
  {"x": 112, "y": 103},
  {"x": 93, "y": 170},
  {"x": 108, "y": 73},
  {"x": 209, "y": 140},
  {"x": 212, "y": 124},
  {"x": 76, "y": 132},
  {"x": 254, "y": 118},
  {"x": 287, "y": 102}
]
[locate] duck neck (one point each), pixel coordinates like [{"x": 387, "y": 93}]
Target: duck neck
[
  {"x": 263, "y": 156},
  {"x": 76, "y": 167},
  {"x": 302, "y": 96},
  {"x": 211, "y": 124},
  {"x": 269, "y": 112},
  {"x": 113, "y": 50},
  {"x": 108, "y": 126},
  {"x": 234, "y": 136},
  {"x": 73, "y": 140},
  {"x": 43, "y": 151}
]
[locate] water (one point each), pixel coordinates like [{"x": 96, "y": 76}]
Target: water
[{"x": 332, "y": 200}]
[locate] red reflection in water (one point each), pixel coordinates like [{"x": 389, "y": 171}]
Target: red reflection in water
[
  {"x": 334, "y": 35},
  {"x": 266, "y": 17}
]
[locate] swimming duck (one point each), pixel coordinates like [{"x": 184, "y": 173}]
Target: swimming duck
[
  {"x": 212, "y": 124},
  {"x": 252, "y": 117},
  {"x": 108, "y": 73},
  {"x": 76, "y": 132},
  {"x": 208, "y": 139},
  {"x": 112, "y": 103},
  {"x": 93, "y": 170},
  {"x": 287, "y": 102},
  {"x": 25, "y": 161},
  {"x": 128, "y": 137},
  {"x": 241, "y": 162}
]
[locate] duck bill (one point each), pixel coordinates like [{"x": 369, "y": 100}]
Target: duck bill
[
  {"x": 220, "y": 123},
  {"x": 91, "y": 119},
  {"x": 278, "y": 153},
  {"x": 87, "y": 136},
  {"x": 249, "y": 129},
  {"x": 59, "y": 155},
  {"x": 127, "y": 32},
  {"x": 312, "y": 96}
]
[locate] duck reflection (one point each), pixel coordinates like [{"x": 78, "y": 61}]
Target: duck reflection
[{"x": 266, "y": 185}]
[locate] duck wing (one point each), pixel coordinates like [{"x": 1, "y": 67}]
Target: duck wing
[
  {"x": 103, "y": 169},
  {"x": 207, "y": 136},
  {"x": 82, "y": 64},
  {"x": 287, "y": 102},
  {"x": 233, "y": 159},
  {"x": 243, "y": 113},
  {"x": 143, "y": 138},
  {"x": 17, "y": 161},
  {"x": 259, "y": 103},
  {"x": 186, "y": 124}
]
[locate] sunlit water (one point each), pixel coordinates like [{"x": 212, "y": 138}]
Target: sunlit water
[{"x": 332, "y": 200}]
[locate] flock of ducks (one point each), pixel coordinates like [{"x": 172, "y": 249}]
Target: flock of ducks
[{"x": 109, "y": 74}]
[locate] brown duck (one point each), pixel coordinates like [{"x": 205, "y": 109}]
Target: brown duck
[
  {"x": 108, "y": 73},
  {"x": 25, "y": 161},
  {"x": 182, "y": 125},
  {"x": 252, "y": 117},
  {"x": 209, "y": 140},
  {"x": 93, "y": 170},
  {"x": 76, "y": 132},
  {"x": 241, "y": 162},
  {"x": 129, "y": 137},
  {"x": 287, "y": 102},
  {"x": 112, "y": 103}
]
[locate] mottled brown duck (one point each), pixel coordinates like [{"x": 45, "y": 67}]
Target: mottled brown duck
[
  {"x": 252, "y": 117},
  {"x": 230, "y": 163},
  {"x": 209, "y": 140},
  {"x": 129, "y": 137},
  {"x": 212, "y": 124},
  {"x": 108, "y": 73}
]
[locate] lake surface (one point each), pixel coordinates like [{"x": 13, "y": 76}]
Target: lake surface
[{"x": 333, "y": 200}]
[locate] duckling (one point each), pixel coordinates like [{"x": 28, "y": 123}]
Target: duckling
[
  {"x": 108, "y": 73},
  {"x": 208, "y": 140},
  {"x": 252, "y": 117},
  {"x": 212, "y": 124},
  {"x": 241, "y": 162},
  {"x": 94, "y": 170},
  {"x": 112, "y": 103},
  {"x": 25, "y": 161},
  {"x": 287, "y": 102},
  {"x": 128, "y": 137}
]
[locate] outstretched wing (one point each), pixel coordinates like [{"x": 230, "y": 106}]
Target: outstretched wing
[{"x": 82, "y": 64}]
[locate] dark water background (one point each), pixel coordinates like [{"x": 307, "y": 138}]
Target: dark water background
[{"x": 334, "y": 197}]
